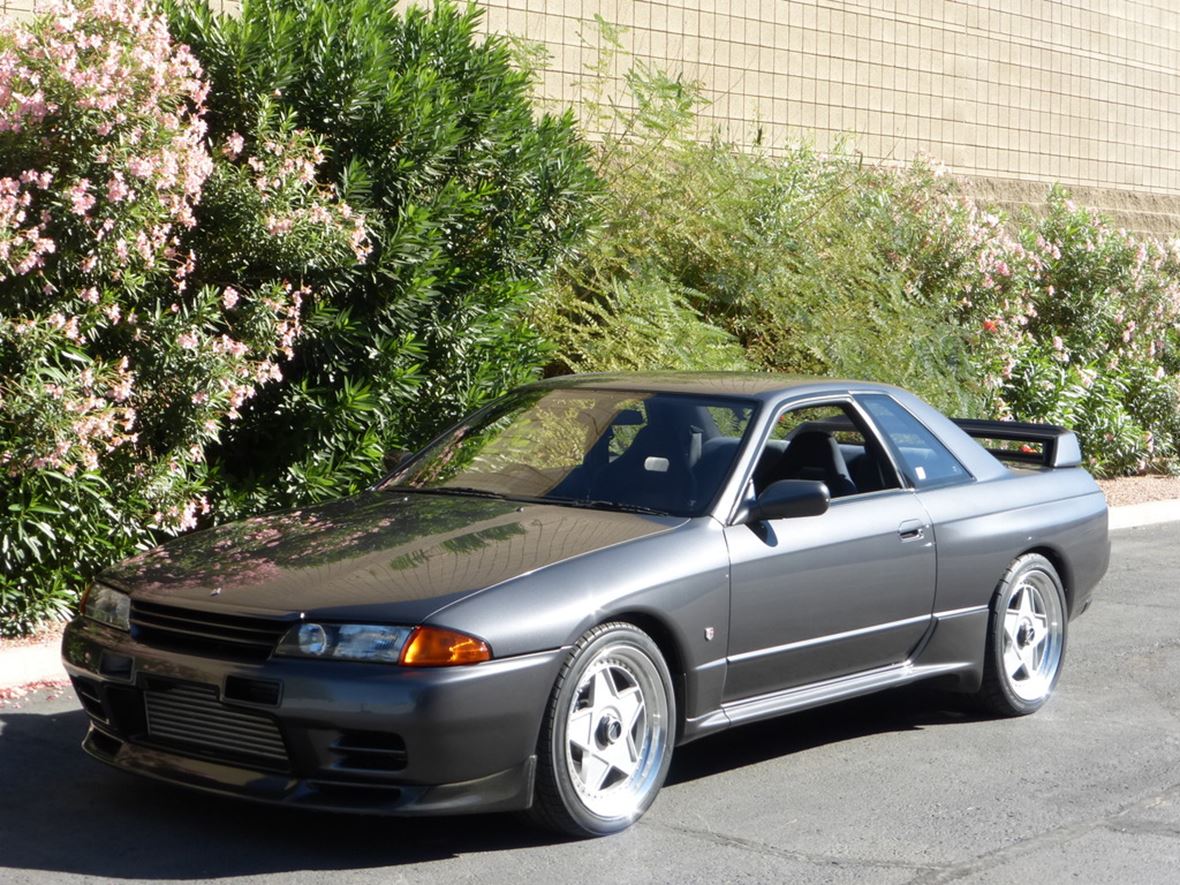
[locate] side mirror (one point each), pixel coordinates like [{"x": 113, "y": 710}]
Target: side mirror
[
  {"x": 394, "y": 458},
  {"x": 789, "y": 498}
]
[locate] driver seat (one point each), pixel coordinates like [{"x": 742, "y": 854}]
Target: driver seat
[{"x": 815, "y": 455}]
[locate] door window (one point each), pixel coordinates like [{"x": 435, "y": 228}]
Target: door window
[{"x": 824, "y": 442}]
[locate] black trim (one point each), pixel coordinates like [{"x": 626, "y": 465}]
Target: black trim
[{"x": 1059, "y": 446}]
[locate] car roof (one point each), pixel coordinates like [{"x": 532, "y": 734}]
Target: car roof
[{"x": 761, "y": 386}]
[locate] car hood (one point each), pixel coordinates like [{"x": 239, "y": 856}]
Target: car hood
[{"x": 381, "y": 555}]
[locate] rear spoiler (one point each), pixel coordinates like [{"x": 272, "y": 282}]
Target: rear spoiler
[{"x": 1045, "y": 444}]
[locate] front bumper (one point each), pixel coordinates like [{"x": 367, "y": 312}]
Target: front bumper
[{"x": 318, "y": 734}]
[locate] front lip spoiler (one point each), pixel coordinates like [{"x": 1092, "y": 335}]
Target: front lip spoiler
[{"x": 508, "y": 790}]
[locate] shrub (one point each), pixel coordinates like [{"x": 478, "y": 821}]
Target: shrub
[
  {"x": 1077, "y": 323},
  {"x": 471, "y": 199},
  {"x": 821, "y": 264},
  {"x": 802, "y": 262},
  {"x": 637, "y": 324},
  {"x": 132, "y": 327}
]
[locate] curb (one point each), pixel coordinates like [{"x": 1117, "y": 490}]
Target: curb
[
  {"x": 25, "y": 668},
  {"x": 1132, "y": 516}
]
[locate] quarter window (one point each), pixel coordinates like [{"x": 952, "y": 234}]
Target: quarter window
[{"x": 926, "y": 461}]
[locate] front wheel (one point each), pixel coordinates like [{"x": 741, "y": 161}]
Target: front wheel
[
  {"x": 606, "y": 743},
  {"x": 1026, "y": 638}
]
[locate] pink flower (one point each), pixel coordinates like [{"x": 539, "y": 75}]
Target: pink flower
[
  {"x": 140, "y": 167},
  {"x": 187, "y": 340},
  {"x": 117, "y": 189},
  {"x": 277, "y": 226},
  {"x": 121, "y": 390},
  {"x": 233, "y": 145},
  {"x": 229, "y": 298},
  {"x": 81, "y": 202}
]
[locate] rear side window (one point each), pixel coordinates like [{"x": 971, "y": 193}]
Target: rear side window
[{"x": 927, "y": 462}]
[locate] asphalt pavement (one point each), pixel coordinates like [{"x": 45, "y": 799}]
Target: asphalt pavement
[{"x": 901, "y": 787}]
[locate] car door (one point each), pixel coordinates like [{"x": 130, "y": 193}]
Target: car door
[{"x": 819, "y": 597}]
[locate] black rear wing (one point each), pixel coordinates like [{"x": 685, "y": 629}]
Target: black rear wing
[{"x": 1046, "y": 445}]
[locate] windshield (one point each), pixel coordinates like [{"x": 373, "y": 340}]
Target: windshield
[{"x": 624, "y": 450}]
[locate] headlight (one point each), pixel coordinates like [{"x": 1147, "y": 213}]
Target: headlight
[
  {"x": 411, "y": 646},
  {"x": 353, "y": 642},
  {"x": 108, "y": 606}
]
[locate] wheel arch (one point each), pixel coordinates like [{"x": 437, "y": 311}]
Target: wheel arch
[
  {"x": 1061, "y": 566},
  {"x": 668, "y": 644}
]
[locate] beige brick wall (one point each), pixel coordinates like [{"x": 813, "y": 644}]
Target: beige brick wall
[{"x": 1011, "y": 93}]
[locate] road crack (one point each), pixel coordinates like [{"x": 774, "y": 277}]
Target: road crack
[
  {"x": 1050, "y": 839},
  {"x": 726, "y": 840}
]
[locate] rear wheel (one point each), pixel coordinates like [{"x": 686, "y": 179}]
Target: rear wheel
[
  {"x": 1026, "y": 638},
  {"x": 606, "y": 743}
]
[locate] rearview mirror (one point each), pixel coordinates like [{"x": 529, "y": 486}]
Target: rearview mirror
[{"x": 789, "y": 498}]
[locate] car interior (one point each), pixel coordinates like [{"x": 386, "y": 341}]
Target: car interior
[{"x": 668, "y": 453}]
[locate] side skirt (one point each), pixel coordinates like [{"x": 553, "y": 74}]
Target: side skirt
[{"x": 953, "y": 650}]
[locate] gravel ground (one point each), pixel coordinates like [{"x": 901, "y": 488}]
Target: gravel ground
[
  {"x": 1139, "y": 489},
  {"x": 44, "y": 633}
]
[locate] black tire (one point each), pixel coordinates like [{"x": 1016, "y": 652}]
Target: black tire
[
  {"x": 1026, "y": 638},
  {"x": 584, "y": 787}
]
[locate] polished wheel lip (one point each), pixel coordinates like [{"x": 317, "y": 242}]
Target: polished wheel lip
[
  {"x": 1033, "y": 636},
  {"x": 616, "y": 733}
]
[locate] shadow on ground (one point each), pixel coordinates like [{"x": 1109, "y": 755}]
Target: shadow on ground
[
  {"x": 64, "y": 812},
  {"x": 904, "y": 709}
]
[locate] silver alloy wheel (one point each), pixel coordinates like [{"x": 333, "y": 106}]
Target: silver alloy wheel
[
  {"x": 1033, "y": 636},
  {"x": 617, "y": 732}
]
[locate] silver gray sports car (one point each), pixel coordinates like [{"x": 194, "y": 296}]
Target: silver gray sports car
[{"x": 531, "y": 612}]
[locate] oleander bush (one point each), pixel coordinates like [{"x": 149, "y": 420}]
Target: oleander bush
[
  {"x": 1077, "y": 323},
  {"x": 471, "y": 198},
  {"x": 150, "y": 286},
  {"x": 233, "y": 275}
]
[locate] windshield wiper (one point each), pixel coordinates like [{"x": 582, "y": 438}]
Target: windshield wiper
[
  {"x": 599, "y": 504},
  {"x": 452, "y": 490},
  {"x": 588, "y": 503}
]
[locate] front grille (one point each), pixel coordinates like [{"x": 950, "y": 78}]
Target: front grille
[
  {"x": 191, "y": 719},
  {"x": 165, "y": 626}
]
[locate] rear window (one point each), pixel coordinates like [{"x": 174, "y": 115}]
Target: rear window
[{"x": 926, "y": 461}]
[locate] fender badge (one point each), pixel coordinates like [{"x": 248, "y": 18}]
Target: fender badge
[{"x": 709, "y": 634}]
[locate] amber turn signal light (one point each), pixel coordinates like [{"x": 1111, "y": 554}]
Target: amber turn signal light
[{"x": 438, "y": 647}]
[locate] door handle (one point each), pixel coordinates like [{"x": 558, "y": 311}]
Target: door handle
[{"x": 912, "y": 530}]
